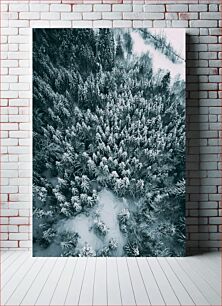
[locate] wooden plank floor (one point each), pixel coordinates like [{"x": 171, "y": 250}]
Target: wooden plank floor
[{"x": 110, "y": 281}]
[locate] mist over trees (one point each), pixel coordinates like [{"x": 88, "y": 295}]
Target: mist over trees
[{"x": 102, "y": 119}]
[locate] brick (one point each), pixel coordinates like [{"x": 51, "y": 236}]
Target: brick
[
  {"x": 82, "y": 8},
  {"x": 102, "y": 7},
  {"x": 4, "y": 220},
  {"x": 71, "y": 16},
  {"x": 93, "y": 16},
  {"x": 60, "y": 24},
  {"x": 18, "y": 23},
  {"x": 9, "y": 126},
  {"x": 20, "y": 205},
  {"x": 154, "y": 8},
  {"x": 208, "y": 39},
  {"x": 112, "y": 15},
  {"x": 171, "y": 16},
  {"x": 208, "y": 15},
  {"x": 18, "y": 150},
  {"x": 9, "y": 213},
  {"x": 199, "y": 236},
  {"x": 215, "y": 220},
  {"x": 13, "y": 47},
  {"x": 204, "y": 31},
  {"x": 82, "y": 24},
  {"x": 213, "y": 7},
  {"x": 216, "y": 31},
  {"x": 215, "y": 236},
  {"x": 24, "y": 212},
  {"x": 137, "y": 7},
  {"x": 147, "y": 23},
  {"x": 36, "y": 7},
  {"x": 207, "y": 213},
  {"x": 9, "y": 244},
  {"x": 134, "y": 15},
  {"x": 9, "y": 173},
  {"x": 121, "y": 7},
  {"x": 9, "y": 31},
  {"x": 8, "y": 228},
  {"x": 203, "y": 23},
  {"x": 122, "y": 23},
  {"x": 18, "y": 55},
  {"x": 25, "y": 244},
  {"x": 29, "y": 15},
  {"x": 136, "y": 23},
  {"x": 24, "y": 229},
  {"x": 19, "y": 220},
  {"x": 177, "y": 8},
  {"x": 187, "y": 16},
  {"x": 18, "y": 236},
  {"x": 19, "y": 118},
  {"x": 197, "y": 7},
  {"x": 162, "y": 23},
  {"x": 19, "y": 86},
  {"x": 208, "y": 205},
  {"x": 4, "y": 7},
  {"x": 209, "y": 228},
  {"x": 4, "y": 181},
  {"x": 12, "y": 158},
  {"x": 180, "y": 23},
  {"x": 39, "y": 24},
  {"x": 9, "y": 142},
  {"x": 50, "y": 16},
  {"x": 19, "y": 71},
  {"x": 60, "y": 8},
  {"x": 102, "y": 24},
  {"x": 19, "y": 102},
  {"x": 18, "y": 7},
  {"x": 215, "y": 63},
  {"x": 9, "y": 63},
  {"x": 215, "y": 78}
]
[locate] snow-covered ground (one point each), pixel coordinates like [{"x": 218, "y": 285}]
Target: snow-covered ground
[{"x": 106, "y": 210}]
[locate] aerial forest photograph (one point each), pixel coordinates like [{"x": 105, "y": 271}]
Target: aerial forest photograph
[{"x": 109, "y": 142}]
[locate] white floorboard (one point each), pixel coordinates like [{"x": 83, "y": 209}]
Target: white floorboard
[
  {"x": 86, "y": 294},
  {"x": 137, "y": 282},
  {"x": 100, "y": 284},
  {"x": 113, "y": 285},
  {"x": 37, "y": 286},
  {"x": 180, "y": 291},
  {"x": 13, "y": 269},
  {"x": 47, "y": 292},
  {"x": 194, "y": 280},
  {"x": 62, "y": 288},
  {"x": 210, "y": 276},
  {"x": 208, "y": 292},
  {"x": 75, "y": 287},
  {"x": 189, "y": 284},
  {"x": 126, "y": 289},
  {"x": 153, "y": 290},
  {"x": 168, "y": 292}
]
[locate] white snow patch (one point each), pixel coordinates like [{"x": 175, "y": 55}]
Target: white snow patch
[{"x": 107, "y": 210}]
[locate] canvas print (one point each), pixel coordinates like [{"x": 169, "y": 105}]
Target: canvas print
[{"x": 108, "y": 142}]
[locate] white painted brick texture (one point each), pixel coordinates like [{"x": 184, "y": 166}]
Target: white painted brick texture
[{"x": 202, "y": 22}]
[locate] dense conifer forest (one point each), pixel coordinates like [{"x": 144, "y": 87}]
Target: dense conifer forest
[{"x": 108, "y": 145}]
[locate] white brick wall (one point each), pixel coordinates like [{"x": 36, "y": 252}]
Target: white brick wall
[{"x": 204, "y": 54}]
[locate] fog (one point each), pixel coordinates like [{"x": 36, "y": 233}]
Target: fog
[{"x": 160, "y": 61}]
